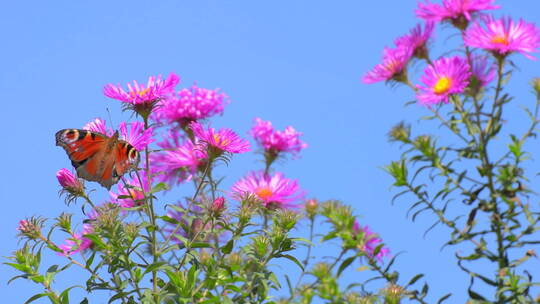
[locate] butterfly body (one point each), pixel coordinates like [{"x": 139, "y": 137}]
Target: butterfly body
[{"x": 98, "y": 157}]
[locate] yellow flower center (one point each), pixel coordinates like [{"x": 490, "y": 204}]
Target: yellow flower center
[
  {"x": 500, "y": 40},
  {"x": 140, "y": 93},
  {"x": 221, "y": 141},
  {"x": 264, "y": 192},
  {"x": 443, "y": 85}
]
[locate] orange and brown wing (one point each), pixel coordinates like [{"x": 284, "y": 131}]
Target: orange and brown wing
[
  {"x": 127, "y": 157},
  {"x": 81, "y": 145}
]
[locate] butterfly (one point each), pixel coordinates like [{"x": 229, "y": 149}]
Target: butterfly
[{"x": 98, "y": 157}]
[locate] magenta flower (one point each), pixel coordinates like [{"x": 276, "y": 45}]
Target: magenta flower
[
  {"x": 453, "y": 9},
  {"x": 276, "y": 191},
  {"x": 223, "y": 140},
  {"x": 137, "y": 136},
  {"x": 131, "y": 195},
  {"x": 276, "y": 141},
  {"x": 69, "y": 182},
  {"x": 178, "y": 165},
  {"x": 98, "y": 125},
  {"x": 155, "y": 89},
  {"x": 483, "y": 70},
  {"x": 77, "y": 242},
  {"x": 190, "y": 105},
  {"x": 369, "y": 242},
  {"x": 503, "y": 36},
  {"x": 392, "y": 67},
  {"x": 417, "y": 40},
  {"x": 443, "y": 78}
]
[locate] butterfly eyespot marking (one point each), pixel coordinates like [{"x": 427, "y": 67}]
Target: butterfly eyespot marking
[
  {"x": 133, "y": 154},
  {"x": 70, "y": 135}
]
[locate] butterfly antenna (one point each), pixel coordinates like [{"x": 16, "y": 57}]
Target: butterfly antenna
[{"x": 110, "y": 117}]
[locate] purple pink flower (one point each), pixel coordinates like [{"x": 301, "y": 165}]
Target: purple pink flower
[
  {"x": 272, "y": 191},
  {"x": 137, "y": 136},
  {"x": 453, "y": 9},
  {"x": 190, "y": 105},
  {"x": 370, "y": 241},
  {"x": 277, "y": 141},
  {"x": 98, "y": 125},
  {"x": 482, "y": 70},
  {"x": 155, "y": 89},
  {"x": 223, "y": 140},
  {"x": 132, "y": 194},
  {"x": 392, "y": 67},
  {"x": 416, "y": 40},
  {"x": 178, "y": 163},
  {"x": 77, "y": 242},
  {"x": 69, "y": 182},
  {"x": 443, "y": 78},
  {"x": 503, "y": 36}
]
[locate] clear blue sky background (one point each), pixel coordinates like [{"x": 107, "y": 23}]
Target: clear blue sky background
[{"x": 292, "y": 62}]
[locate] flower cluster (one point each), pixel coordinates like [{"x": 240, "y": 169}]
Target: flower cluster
[
  {"x": 277, "y": 141},
  {"x": 189, "y": 105},
  {"x": 448, "y": 76}
]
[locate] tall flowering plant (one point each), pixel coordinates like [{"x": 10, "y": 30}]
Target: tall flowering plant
[
  {"x": 146, "y": 244},
  {"x": 472, "y": 179}
]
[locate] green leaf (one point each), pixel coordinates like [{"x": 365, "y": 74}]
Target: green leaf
[
  {"x": 96, "y": 240},
  {"x": 290, "y": 257},
  {"x": 35, "y": 297},
  {"x": 200, "y": 245},
  {"x": 159, "y": 187},
  {"x": 345, "y": 264},
  {"x": 84, "y": 301},
  {"x": 414, "y": 279},
  {"x": 228, "y": 247},
  {"x": 153, "y": 267},
  {"x": 444, "y": 298},
  {"x": 476, "y": 296}
]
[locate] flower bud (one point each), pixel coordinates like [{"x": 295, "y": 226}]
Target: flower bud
[
  {"x": 400, "y": 132},
  {"x": 536, "y": 85},
  {"x": 64, "y": 222},
  {"x": 70, "y": 184},
  {"x": 30, "y": 228},
  {"x": 393, "y": 294},
  {"x": 218, "y": 206},
  {"x": 311, "y": 207}
]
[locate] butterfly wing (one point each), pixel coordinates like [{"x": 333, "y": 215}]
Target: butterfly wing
[{"x": 97, "y": 157}]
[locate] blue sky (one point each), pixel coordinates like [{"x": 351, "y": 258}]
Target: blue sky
[{"x": 291, "y": 62}]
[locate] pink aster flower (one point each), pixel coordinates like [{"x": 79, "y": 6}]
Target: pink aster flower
[
  {"x": 273, "y": 191},
  {"x": 482, "y": 70},
  {"x": 453, "y": 9},
  {"x": 179, "y": 164},
  {"x": 131, "y": 195},
  {"x": 69, "y": 182},
  {"x": 137, "y": 136},
  {"x": 190, "y": 105},
  {"x": 417, "y": 40},
  {"x": 98, "y": 125},
  {"x": 155, "y": 89},
  {"x": 503, "y": 36},
  {"x": 370, "y": 241},
  {"x": 77, "y": 242},
  {"x": 223, "y": 140},
  {"x": 443, "y": 78},
  {"x": 392, "y": 67},
  {"x": 276, "y": 141}
]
